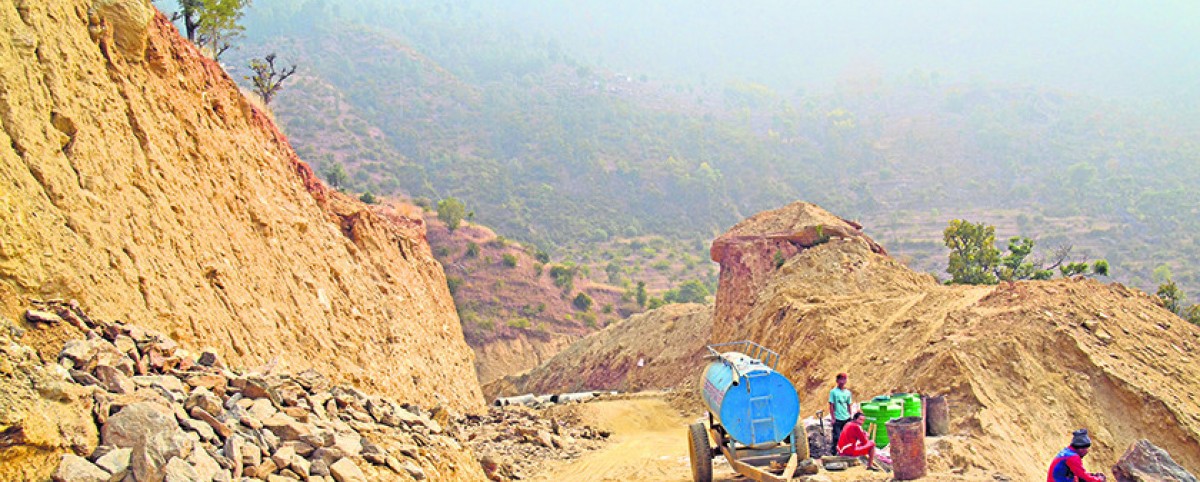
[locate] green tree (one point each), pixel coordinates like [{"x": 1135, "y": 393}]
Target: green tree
[
  {"x": 973, "y": 254},
  {"x": 1192, "y": 314},
  {"x": 691, "y": 291},
  {"x": 454, "y": 283},
  {"x": 267, "y": 81},
  {"x": 368, "y": 198},
  {"x": 1172, "y": 297},
  {"x": 510, "y": 260},
  {"x": 1015, "y": 264},
  {"x": 974, "y": 258},
  {"x": 582, "y": 301},
  {"x": 472, "y": 249},
  {"x": 1074, "y": 268},
  {"x": 640, "y": 293},
  {"x": 451, "y": 212},
  {"x": 564, "y": 275},
  {"x": 335, "y": 175},
  {"x": 613, "y": 270},
  {"x": 212, "y": 24}
]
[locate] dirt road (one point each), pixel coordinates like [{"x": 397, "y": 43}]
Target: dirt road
[{"x": 648, "y": 443}]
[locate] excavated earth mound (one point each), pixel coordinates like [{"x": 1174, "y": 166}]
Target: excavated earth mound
[
  {"x": 749, "y": 251},
  {"x": 1022, "y": 364},
  {"x": 138, "y": 180},
  {"x": 668, "y": 342}
]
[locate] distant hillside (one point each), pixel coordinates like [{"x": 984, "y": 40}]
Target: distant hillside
[
  {"x": 519, "y": 307},
  {"x": 438, "y": 101}
]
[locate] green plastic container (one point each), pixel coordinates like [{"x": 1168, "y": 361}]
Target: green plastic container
[
  {"x": 893, "y": 409},
  {"x": 912, "y": 405},
  {"x": 871, "y": 412}
]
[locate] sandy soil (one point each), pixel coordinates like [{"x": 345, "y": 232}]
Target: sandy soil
[{"x": 649, "y": 443}]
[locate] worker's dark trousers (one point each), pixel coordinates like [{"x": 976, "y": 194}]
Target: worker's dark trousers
[{"x": 837, "y": 433}]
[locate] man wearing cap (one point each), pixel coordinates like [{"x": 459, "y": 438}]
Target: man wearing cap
[{"x": 1068, "y": 464}]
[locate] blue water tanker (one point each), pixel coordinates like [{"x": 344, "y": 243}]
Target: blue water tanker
[
  {"x": 752, "y": 415},
  {"x": 754, "y": 403}
]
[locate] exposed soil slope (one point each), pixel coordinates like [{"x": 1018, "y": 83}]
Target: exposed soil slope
[
  {"x": 669, "y": 341},
  {"x": 131, "y": 164},
  {"x": 750, "y": 250},
  {"x": 1022, "y": 364}
]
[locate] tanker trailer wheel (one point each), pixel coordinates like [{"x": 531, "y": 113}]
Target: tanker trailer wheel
[
  {"x": 701, "y": 453},
  {"x": 800, "y": 439}
]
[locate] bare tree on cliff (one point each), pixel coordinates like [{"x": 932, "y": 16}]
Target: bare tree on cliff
[
  {"x": 267, "y": 81},
  {"x": 211, "y": 24}
]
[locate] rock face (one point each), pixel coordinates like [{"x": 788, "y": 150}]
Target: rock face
[
  {"x": 131, "y": 164},
  {"x": 1144, "y": 462},
  {"x": 1020, "y": 364},
  {"x": 750, "y": 252}
]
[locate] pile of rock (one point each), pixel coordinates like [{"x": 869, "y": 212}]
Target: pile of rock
[
  {"x": 167, "y": 415},
  {"x": 513, "y": 441}
]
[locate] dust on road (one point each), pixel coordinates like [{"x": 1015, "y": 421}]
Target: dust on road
[{"x": 648, "y": 443}]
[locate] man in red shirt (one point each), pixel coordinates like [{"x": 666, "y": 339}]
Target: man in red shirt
[
  {"x": 853, "y": 441},
  {"x": 1068, "y": 464}
]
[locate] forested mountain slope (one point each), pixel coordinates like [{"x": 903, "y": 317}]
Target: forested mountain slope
[{"x": 442, "y": 100}]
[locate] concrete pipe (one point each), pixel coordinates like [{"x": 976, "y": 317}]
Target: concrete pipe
[
  {"x": 527, "y": 399},
  {"x": 572, "y": 397}
]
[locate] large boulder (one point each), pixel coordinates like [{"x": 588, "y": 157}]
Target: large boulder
[
  {"x": 152, "y": 434},
  {"x": 77, "y": 469},
  {"x": 1144, "y": 462}
]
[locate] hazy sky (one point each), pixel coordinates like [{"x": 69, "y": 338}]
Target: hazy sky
[{"x": 1108, "y": 48}]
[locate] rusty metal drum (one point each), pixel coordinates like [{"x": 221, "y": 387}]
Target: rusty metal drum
[
  {"x": 937, "y": 416},
  {"x": 907, "y": 435}
]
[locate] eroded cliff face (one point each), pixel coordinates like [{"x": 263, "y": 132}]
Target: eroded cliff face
[
  {"x": 751, "y": 251},
  {"x": 137, "y": 179}
]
